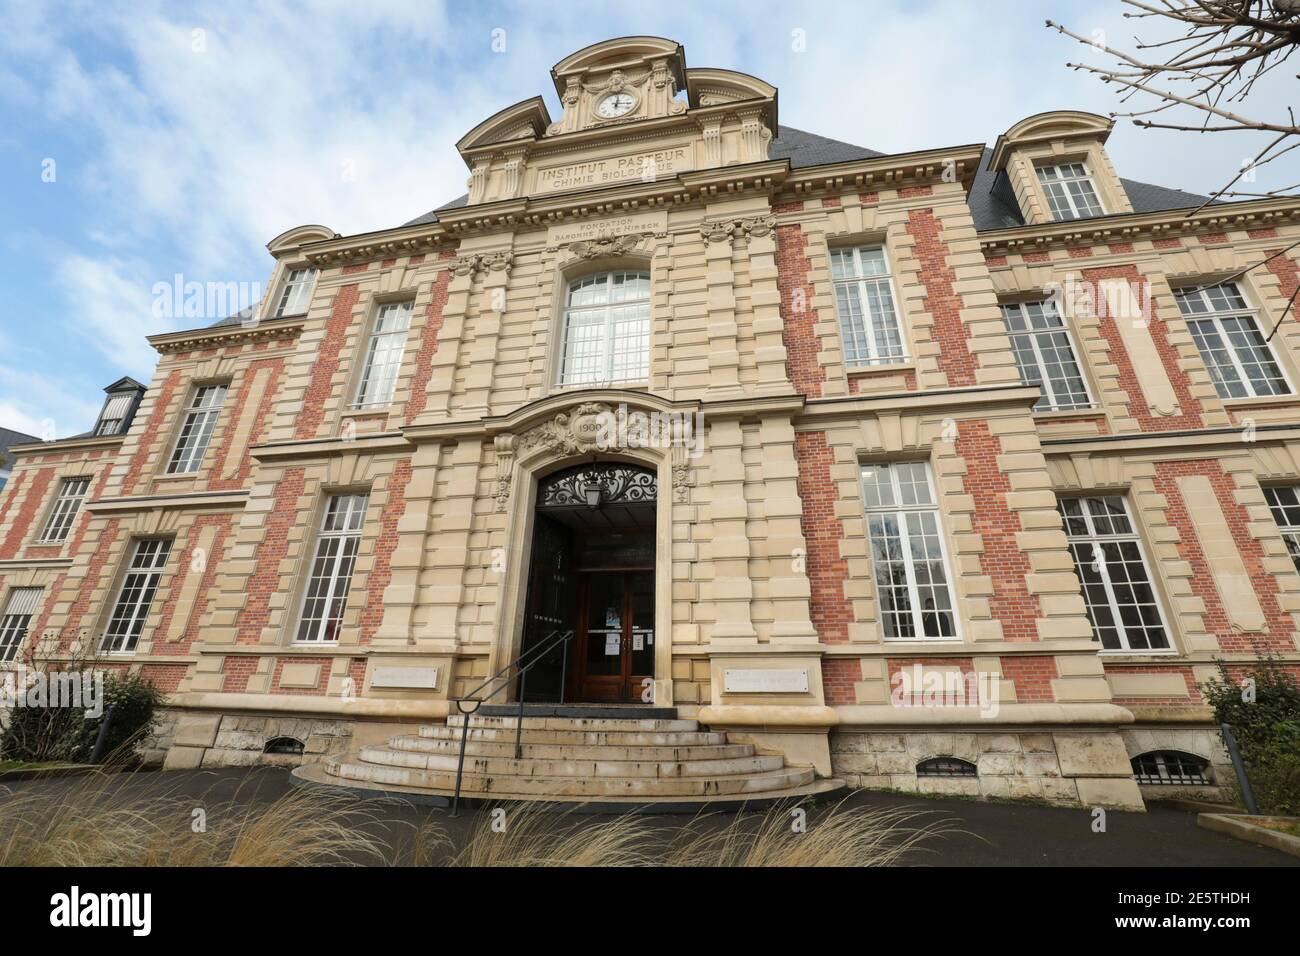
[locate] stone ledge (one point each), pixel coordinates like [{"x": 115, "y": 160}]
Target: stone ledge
[{"x": 1063, "y": 716}]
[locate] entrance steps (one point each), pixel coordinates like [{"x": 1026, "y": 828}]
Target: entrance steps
[{"x": 599, "y": 756}]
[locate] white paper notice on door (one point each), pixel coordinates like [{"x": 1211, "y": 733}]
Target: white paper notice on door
[
  {"x": 638, "y": 642},
  {"x": 612, "y": 642}
]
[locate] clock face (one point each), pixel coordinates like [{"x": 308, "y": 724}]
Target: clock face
[{"x": 616, "y": 104}]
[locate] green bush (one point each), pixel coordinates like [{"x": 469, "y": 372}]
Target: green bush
[
  {"x": 1266, "y": 724},
  {"x": 66, "y": 735}
]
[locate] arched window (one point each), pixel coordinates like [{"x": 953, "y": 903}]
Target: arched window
[
  {"x": 284, "y": 745},
  {"x": 1170, "y": 768},
  {"x": 945, "y": 767},
  {"x": 606, "y": 329}
]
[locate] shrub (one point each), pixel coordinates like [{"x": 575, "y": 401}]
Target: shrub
[{"x": 1267, "y": 727}]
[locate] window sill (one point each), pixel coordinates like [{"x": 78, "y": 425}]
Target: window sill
[
  {"x": 1262, "y": 401},
  {"x": 1137, "y": 656},
  {"x": 307, "y": 645},
  {"x": 855, "y": 371},
  {"x": 1088, "y": 411}
]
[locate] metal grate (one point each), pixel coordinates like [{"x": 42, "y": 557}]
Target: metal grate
[
  {"x": 946, "y": 767},
  {"x": 1169, "y": 768}
]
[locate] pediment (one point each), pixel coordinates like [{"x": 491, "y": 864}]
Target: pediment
[
  {"x": 525, "y": 120},
  {"x": 1057, "y": 124}
]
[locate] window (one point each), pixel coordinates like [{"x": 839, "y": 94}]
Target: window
[
  {"x": 864, "y": 301},
  {"x": 384, "y": 354},
  {"x": 1240, "y": 361},
  {"x": 1285, "y": 505},
  {"x": 1117, "y": 590},
  {"x": 1170, "y": 768},
  {"x": 331, "y": 570},
  {"x": 607, "y": 329},
  {"x": 17, "y": 617},
  {"x": 907, "y": 552},
  {"x": 114, "y": 414},
  {"x": 1045, "y": 355},
  {"x": 295, "y": 294},
  {"x": 945, "y": 767},
  {"x": 65, "y": 509},
  {"x": 1070, "y": 191},
  {"x": 136, "y": 596},
  {"x": 196, "y": 432}
]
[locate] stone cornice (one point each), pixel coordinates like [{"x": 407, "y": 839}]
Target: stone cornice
[
  {"x": 1129, "y": 227},
  {"x": 1176, "y": 442},
  {"x": 364, "y": 444},
  {"x": 261, "y": 331},
  {"x": 1012, "y": 396},
  {"x": 18, "y": 564},
  {"x": 915, "y": 169},
  {"x": 226, "y": 500},
  {"x": 74, "y": 443}
]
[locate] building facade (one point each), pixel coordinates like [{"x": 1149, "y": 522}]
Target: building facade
[{"x": 952, "y": 470}]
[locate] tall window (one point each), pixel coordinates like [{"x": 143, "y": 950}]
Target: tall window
[
  {"x": 907, "y": 552},
  {"x": 1285, "y": 505},
  {"x": 1117, "y": 590},
  {"x": 331, "y": 570},
  {"x": 114, "y": 414},
  {"x": 196, "y": 431},
  {"x": 607, "y": 329},
  {"x": 136, "y": 596},
  {"x": 384, "y": 354},
  {"x": 1070, "y": 191},
  {"x": 1045, "y": 355},
  {"x": 1226, "y": 331},
  {"x": 17, "y": 617},
  {"x": 295, "y": 293},
  {"x": 66, "y": 506},
  {"x": 864, "y": 300}
]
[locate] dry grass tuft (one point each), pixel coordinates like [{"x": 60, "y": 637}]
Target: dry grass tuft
[{"x": 530, "y": 835}]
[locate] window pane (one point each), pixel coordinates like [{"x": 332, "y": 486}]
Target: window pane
[
  {"x": 326, "y": 594},
  {"x": 607, "y": 329}
]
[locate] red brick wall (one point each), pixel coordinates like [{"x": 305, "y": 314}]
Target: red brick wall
[
  {"x": 1138, "y": 407},
  {"x": 997, "y": 525},
  {"x": 794, "y": 281},
  {"x": 322, "y": 682},
  {"x": 265, "y": 579},
  {"x": 429, "y": 342},
  {"x": 94, "y": 577},
  {"x": 321, "y": 387},
  {"x": 207, "y": 580},
  {"x": 382, "y": 571},
  {"x": 839, "y": 674},
  {"x": 827, "y": 571},
  {"x": 263, "y": 415},
  {"x": 1280, "y": 626},
  {"x": 1032, "y": 676},
  {"x": 32, "y": 504},
  {"x": 941, "y": 299},
  {"x": 150, "y": 435}
]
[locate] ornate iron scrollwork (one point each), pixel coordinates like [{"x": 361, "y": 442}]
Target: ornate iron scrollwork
[{"x": 617, "y": 484}]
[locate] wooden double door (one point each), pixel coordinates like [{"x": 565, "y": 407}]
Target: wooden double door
[{"x": 615, "y": 648}]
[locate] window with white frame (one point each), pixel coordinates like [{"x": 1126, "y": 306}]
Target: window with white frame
[
  {"x": 1045, "y": 355},
  {"x": 295, "y": 292},
  {"x": 384, "y": 354},
  {"x": 1070, "y": 191},
  {"x": 135, "y": 597},
  {"x": 1117, "y": 588},
  {"x": 196, "y": 430},
  {"x": 331, "y": 569},
  {"x": 1284, "y": 502},
  {"x": 17, "y": 618},
  {"x": 864, "y": 301},
  {"x": 1226, "y": 330},
  {"x": 114, "y": 414},
  {"x": 607, "y": 329},
  {"x": 907, "y": 552},
  {"x": 66, "y": 506}
]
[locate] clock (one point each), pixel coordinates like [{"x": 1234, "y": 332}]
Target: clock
[{"x": 616, "y": 104}]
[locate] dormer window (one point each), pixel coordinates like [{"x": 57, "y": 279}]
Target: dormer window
[
  {"x": 119, "y": 408},
  {"x": 295, "y": 293},
  {"x": 1070, "y": 191}
]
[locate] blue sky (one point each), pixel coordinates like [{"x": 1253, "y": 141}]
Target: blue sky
[{"x": 184, "y": 136}]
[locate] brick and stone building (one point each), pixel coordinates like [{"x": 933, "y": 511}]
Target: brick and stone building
[{"x": 787, "y": 432}]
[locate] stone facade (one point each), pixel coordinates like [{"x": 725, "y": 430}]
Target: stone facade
[{"x": 763, "y": 551}]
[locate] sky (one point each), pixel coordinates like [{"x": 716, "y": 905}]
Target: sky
[{"x": 141, "y": 142}]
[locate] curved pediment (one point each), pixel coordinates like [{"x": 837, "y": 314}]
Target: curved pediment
[
  {"x": 298, "y": 235},
  {"x": 1055, "y": 124},
  {"x": 524, "y": 120},
  {"x": 707, "y": 86},
  {"x": 623, "y": 51}
]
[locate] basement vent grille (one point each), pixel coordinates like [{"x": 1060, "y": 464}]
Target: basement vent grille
[
  {"x": 1170, "y": 768},
  {"x": 945, "y": 767},
  {"x": 284, "y": 745}
]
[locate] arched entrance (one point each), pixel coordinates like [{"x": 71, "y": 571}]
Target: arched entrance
[{"x": 592, "y": 571}]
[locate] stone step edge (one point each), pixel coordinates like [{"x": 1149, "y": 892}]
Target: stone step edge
[{"x": 553, "y": 766}]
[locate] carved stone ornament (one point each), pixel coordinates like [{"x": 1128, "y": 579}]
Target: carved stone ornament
[
  {"x": 729, "y": 230},
  {"x": 683, "y": 479},
  {"x": 568, "y": 433},
  {"x": 479, "y": 263},
  {"x": 606, "y": 246}
]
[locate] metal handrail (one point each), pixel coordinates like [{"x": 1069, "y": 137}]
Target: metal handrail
[{"x": 521, "y": 665}]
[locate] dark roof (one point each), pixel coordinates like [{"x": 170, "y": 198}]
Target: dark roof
[
  {"x": 10, "y": 437},
  {"x": 992, "y": 203}
]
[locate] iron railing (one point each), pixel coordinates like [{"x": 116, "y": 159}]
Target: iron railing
[{"x": 516, "y": 669}]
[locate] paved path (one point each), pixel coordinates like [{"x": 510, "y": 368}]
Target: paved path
[{"x": 991, "y": 834}]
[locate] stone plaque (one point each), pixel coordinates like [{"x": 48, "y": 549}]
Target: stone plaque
[
  {"x": 425, "y": 678},
  {"x": 634, "y": 224},
  {"x": 646, "y": 167},
  {"x": 765, "y": 680}
]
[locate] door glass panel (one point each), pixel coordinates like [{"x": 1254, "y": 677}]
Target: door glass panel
[
  {"x": 605, "y": 625},
  {"x": 643, "y": 627}
]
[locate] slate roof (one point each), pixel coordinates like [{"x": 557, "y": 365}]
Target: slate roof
[
  {"x": 992, "y": 203},
  {"x": 10, "y": 437}
]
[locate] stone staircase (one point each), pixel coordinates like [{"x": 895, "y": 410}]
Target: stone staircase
[{"x": 606, "y": 755}]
